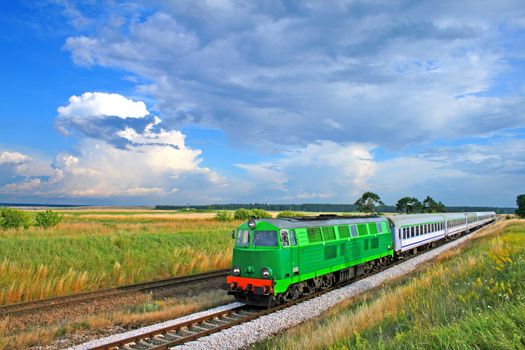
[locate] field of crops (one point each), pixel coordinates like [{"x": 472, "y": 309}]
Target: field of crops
[
  {"x": 92, "y": 249},
  {"x": 470, "y": 298}
]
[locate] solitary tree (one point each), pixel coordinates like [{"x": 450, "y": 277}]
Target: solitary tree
[
  {"x": 409, "y": 205},
  {"x": 431, "y": 206},
  {"x": 367, "y": 202},
  {"x": 520, "y": 202}
]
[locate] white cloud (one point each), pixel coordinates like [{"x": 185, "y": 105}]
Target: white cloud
[
  {"x": 154, "y": 164},
  {"x": 321, "y": 170},
  {"x": 100, "y": 104},
  {"x": 13, "y": 158}
]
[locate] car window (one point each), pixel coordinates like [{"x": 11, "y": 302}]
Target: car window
[{"x": 353, "y": 230}]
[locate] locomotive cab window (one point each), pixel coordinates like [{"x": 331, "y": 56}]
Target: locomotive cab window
[
  {"x": 243, "y": 238},
  {"x": 292, "y": 238},
  {"x": 265, "y": 239},
  {"x": 284, "y": 238}
]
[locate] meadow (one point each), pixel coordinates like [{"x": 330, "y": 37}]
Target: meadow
[
  {"x": 472, "y": 297},
  {"x": 93, "y": 249}
]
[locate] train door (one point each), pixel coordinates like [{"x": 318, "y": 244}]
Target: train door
[{"x": 289, "y": 241}]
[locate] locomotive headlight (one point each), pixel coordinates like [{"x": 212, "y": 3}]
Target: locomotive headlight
[
  {"x": 265, "y": 272},
  {"x": 236, "y": 270}
]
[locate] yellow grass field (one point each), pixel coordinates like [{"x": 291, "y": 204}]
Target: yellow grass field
[{"x": 100, "y": 248}]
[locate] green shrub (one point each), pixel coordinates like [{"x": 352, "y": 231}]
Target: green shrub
[
  {"x": 48, "y": 218},
  {"x": 289, "y": 214},
  {"x": 13, "y": 218},
  {"x": 242, "y": 214},
  {"x": 261, "y": 214},
  {"x": 223, "y": 215}
]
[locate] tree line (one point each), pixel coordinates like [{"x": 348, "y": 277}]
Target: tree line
[{"x": 404, "y": 205}]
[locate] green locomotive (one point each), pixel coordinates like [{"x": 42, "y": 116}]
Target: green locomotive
[{"x": 278, "y": 260}]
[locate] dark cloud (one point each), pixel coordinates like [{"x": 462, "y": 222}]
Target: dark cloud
[
  {"x": 393, "y": 73},
  {"x": 106, "y": 128}
]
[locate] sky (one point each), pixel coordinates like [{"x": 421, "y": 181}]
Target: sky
[{"x": 214, "y": 101}]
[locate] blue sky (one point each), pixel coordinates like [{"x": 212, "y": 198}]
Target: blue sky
[{"x": 175, "y": 102}]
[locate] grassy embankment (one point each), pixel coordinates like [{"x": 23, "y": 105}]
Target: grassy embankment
[
  {"x": 98, "y": 249},
  {"x": 96, "y": 325},
  {"x": 475, "y": 300}
]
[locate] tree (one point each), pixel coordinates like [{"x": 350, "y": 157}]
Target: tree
[
  {"x": 245, "y": 214},
  {"x": 13, "y": 218},
  {"x": 242, "y": 214},
  {"x": 367, "y": 202},
  {"x": 431, "y": 206},
  {"x": 48, "y": 218},
  {"x": 409, "y": 205},
  {"x": 520, "y": 202},
  {"x": 261, "y": 214},
  {"x": 223, "y": 215}
]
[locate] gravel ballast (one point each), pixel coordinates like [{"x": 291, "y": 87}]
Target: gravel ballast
[{"x": 153, "y": 327}]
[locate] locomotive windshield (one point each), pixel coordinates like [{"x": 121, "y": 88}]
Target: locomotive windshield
[
  {"x": 243, "y": 239},
  {"x": 265, "y": 239}
]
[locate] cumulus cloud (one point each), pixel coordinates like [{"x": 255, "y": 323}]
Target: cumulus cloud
[
  {"x": 322, "y": 170},
  {"x": 470, "y": 173},
  {"x": 151, "y": 163},
  {"x": 13, "y": 158},
  {"x": 290, "y": 74},
  {"x": 101, "y": 105}
]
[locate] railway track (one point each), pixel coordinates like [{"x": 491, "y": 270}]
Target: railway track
[
  {"x": 173, "y": 335},
  {"x": 43, "y": 304},
  {"x": 168, "y": 337}
]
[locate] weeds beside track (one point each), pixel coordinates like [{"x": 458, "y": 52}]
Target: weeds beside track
[{"x": 40, "y": 305}]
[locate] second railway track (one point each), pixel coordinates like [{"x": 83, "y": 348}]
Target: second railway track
[{"x": 43, "y": 304}]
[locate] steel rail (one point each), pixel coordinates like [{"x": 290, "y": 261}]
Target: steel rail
[
  {"x": 42, "y": 304},
  {"x": 173, "y": 335}
]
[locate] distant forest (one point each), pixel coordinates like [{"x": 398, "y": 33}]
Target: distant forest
[{"x": 314, "y": 207}]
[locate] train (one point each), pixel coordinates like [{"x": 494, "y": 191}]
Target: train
[{"x": 278, "y": 260}]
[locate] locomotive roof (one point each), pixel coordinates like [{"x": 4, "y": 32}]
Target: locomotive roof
[{"x": 288, "y": 223}]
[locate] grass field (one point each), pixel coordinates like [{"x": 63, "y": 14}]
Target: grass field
[
  {"x": 94, "y": 249},
  {"x": 475, "y": 300}
]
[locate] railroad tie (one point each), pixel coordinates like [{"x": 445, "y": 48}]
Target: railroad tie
[
  {"x": 231, "y": 319},
  {"x": 172, "y": 336},
  {"x": 218, "y": 320},
  {"x": 199, "y": 328},
  {"x": 146, "y": 344},
  {"x": 209, "y": 325}
]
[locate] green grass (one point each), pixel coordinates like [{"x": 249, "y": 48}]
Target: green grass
[
  {"x": 91, "y": 253},
  {"x": 475, "y": 300}
]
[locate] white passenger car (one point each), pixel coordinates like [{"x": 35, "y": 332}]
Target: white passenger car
[
  {"x": 455, "y": 223},
  {"x": 413, "y": 230}
]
